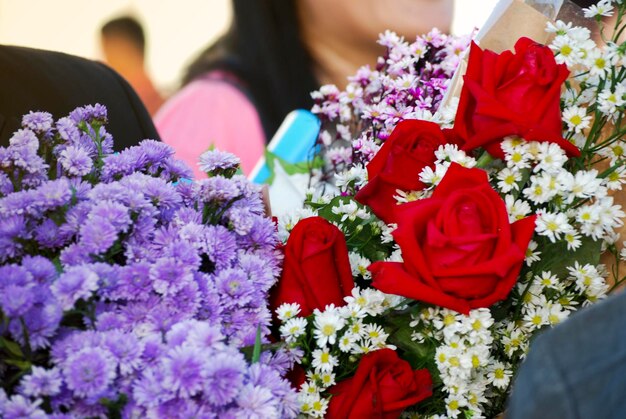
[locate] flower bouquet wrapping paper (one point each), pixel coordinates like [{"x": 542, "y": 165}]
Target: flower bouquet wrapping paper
[{"x": 467, "y": 228}]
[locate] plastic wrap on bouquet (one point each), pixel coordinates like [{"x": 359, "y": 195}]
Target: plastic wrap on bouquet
[
  {"x": 513, "y": 19},
  {"x": 286, "y": 164}
]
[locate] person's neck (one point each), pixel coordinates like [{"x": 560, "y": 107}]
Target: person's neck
[{"x": 334, "y": 60}]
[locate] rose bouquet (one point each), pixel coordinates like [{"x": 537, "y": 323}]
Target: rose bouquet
[
  {"x": 422, "y": 282},
  {"x": 126, "y": 291}
]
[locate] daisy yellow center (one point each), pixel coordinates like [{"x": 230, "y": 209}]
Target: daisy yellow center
[
  {"x": 509, "y": 180},
  {"x": 614, "y": 176},
  {"x": 516, "y": 157},
  {"x": 538, "y": 190},
  {"x": 477, "y": 325},
  {"x": 552, "y": 226},
  {"x": 454, "y": 361},
  {"x": 475, "y": 361},
  {"x": 600, "y": 62},
  {"x": 328, "y": 329},
  {"x": 442, "y": 357},
  {"x": 554, "y": 319},
  {"x": 536, "y": 320},
  {"x": 566, "y": 50},
  {"x": 374, "y": 334},
  {"x": 586, "y": 216},
  {"x": 499, "y": 373},
  {"x": 576, "y": 120},
  {"x": 618, "y": 150},
  {"x": 453, "y": 405},
  {"x": 361, "y": 300},
  {"x": 317, "y": 405},
  {"x": 324, "y": 358},
  {"x": 294, "y": 330},
  {"x": 448, "y": 319}
]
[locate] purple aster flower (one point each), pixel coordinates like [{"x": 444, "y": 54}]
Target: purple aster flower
[
  {"x": 89, "y": 371},
  {"x": 234, "y": 287},
  {"x": 133, "y": 282},
  {"x": 6, "y": 186},
  {"x": 217, "y": 189},
  {"x": 76, "y": 161},
  {"x": 256, "y": 403},
  {"x": 184, "y": 370},
  {"x": 262, "y": 234},
  {"x": 67, "y": 130},
  {"x": 47, "y": 234},
  {"x": 41, "y": 382},
  {"x": 185, "y": 302},
  {"x": 98, "y": 235},
  {"x": 221, "y": 246},
  {"x": 169, "y": 276},
  {"x": 75, "y": 283},
  {"x": 149, "y": 390},
  {"x": 241, "y": 219},
  {"x": 54, "y": 194},
  {"x": 24, "y": 140},
  {"x": 19, "y": 407},
  {"x": 261, "y": 272},
  {"x": 109, "y": 321},
  {"x": 126, "y": 349},
  {"x": 224, "y": 377},
  {"x": 74, "y": 254},
  {"x": 175, "y": 169},
  {"x": 40, "y": 122},
  {"x": 216, "y": 162},
  {"x": 204, "y": 336},
  {"x": 16, "y": 300},
  {"x": 15, "y": 275},
  {"x": 113, "y": 212},
  {"x": 90, "y": 114},
  {"x": 42, "y": 270},
  {"x": 42, "y": 322}
]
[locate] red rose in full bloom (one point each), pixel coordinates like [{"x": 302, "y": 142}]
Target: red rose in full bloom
[
  {"x": 316, "y": 268},
  {"x": 458, "y": 247},
  {"x": 512, "y": 94},
  {"x": 397, "y": 165},
  {"x": 382, "y": 387}
]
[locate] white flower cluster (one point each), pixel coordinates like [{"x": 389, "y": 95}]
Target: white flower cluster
[
  {"x": 340, "y": 334},
  {"x": 568, "y": 204},
  {"x": 463, "y": 357}
]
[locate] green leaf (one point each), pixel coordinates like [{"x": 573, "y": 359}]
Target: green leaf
[
  {"x": 553, "y": 260},
  {"x": 256, "y": 353},
  {"x": 22, "y": 365},
  {"x": 12, "y": 347}
]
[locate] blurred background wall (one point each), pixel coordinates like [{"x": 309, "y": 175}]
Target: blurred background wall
[{"x": 175, "y": 30}]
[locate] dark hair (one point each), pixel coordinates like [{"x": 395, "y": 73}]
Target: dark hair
[
  {"x": 263, "y": 50},
  {"x": 128, "y": 28}
]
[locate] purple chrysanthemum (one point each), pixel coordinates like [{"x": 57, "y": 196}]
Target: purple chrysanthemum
[
  {"x": 19, "y": 407},
  {"x": 224, "y": 377},
  {"x": 76, "y": 161},
  {"x": 126, "y": 349},
  {"x": 256, "y": 402},
  {"x": 89, "y": 372},
  {"x": 214, "y": 162},
  {"x": 221, "y": 246},
  {"x": 41, "y": 382},
  {"x": 40, "y": 122},
  {"x": 75, "y": 283},
  {"x": 184, "y": 371},
  {"x": 16, "y": 300},
  {"x": 169, "y": 276},
  {"x": 98, "y": 235}
]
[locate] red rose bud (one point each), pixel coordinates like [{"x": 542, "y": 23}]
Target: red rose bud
[
  {"x": 316, "y": 268},
  {"x": 409, "y": 149},
  {"x": 382, "y": 387},
  {"x": 512, "y": 94},
  {"x": 458, "y": 247}
]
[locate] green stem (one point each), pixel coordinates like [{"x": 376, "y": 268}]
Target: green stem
[{"x": 484, "y": 160}]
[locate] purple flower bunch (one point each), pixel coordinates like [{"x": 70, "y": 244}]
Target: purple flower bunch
[
  {"x": 126, "y": 289},
  {"x": 409, "y": 82}
]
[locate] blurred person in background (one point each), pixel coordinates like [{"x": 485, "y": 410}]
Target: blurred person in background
[
  {"x": 37, "y": 80},
  {"x": 123, "y": 45},
  {"x": 276, "y": 52}
]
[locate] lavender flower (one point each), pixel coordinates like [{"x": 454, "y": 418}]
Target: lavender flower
[
  {"x": 41, "y": 382},
  {"x": 75, "y": 161},
  {"x": 216, "y": 162},
  {"x": 89, "y": 372},
  {"x": 224, "y": 378},
  {"x": 184, "y": 371},
  {"x": 40, "y": 122},
  {"x": 19, "y": 407},
  {"x": 16, "y": 300},
  {"x": 76, "y": 283}
]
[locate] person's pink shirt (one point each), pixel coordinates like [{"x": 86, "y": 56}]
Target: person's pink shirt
[{"x": 211, "y": 112}]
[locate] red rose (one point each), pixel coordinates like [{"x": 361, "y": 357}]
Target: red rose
[
  {"x": 397, "y": 165},
  {"x": 458, "y": 247},
  {"x": 382, "y": 387},
  {"x": 316, "y": 269},
  {"x": 512, "y": 94}
]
